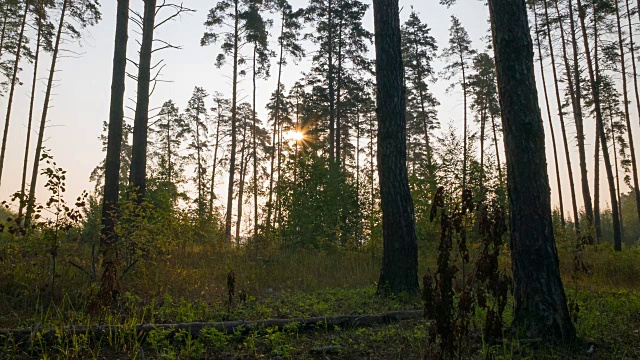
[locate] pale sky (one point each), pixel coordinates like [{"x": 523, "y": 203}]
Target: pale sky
[{"x": 81, "y": 100}]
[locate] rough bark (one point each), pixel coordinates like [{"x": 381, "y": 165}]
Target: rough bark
[
  {"x": 540, "y": 302},
  {"x": 108, "y": 234},
  {"x": 400, "y": 250},
  {"x": 138, "y": 173}
]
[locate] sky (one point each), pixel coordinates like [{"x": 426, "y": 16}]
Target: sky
[{"x": 80, "y": 103}]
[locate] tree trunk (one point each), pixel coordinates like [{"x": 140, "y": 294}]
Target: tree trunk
[
  {"x": 572, "y": 189},
  {"x": 234, "y": 118},
  {"x": 632, "y": 151},
  {"x": 275, "y": 131},
  {"x": 596, "y": 187},
  {"x": 548, "y": 107},
  {"x": 540, "y": 302},
  {"x": 575, "y": 93},
  {"x": 400, "y": 249},
  {"x": 594, "y": 78},
  {"x": 243, "y": 169},
  {"x": 34, "y": 82},
  {"x": 14, "y": 80},
  {"x": 615, "y": 163},
  {"x": 466, "y": 128},
  {"x": 108, "y": 234},
  {"x": 255, "y": 152},
  {"x": 212, "y": 194},
  {"x": 43, "y": 119},
  {"x": 339, "y": 94},
  {"x": 637, "y": 94},
  {"x": 138, "y": 172},
  {"x": 331, "y": 84},
  {"x": 495, "y": 145}
]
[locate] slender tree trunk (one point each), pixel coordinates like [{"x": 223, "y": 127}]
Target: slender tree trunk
[
  {"x": 212, "y": 193},
  {"x": 34, "y": 82},
  {"x": 108, "y": 235},
  {"x": 234, "y": 118},
  {"x": 330, "y": 78},
  {"x": 615, "y": 162},
  {"x": 575, "y": 93},
  {"x": 276, "y": 121},
  {"x": 243, "y": 169},
  {"x": 339, "y": 94},
  {"x": 482, "y": 131},
  {"x": 400, "y": 249},
  {"x": 43, "y": 119},
  {"x": 637, "y": 95},
  {"x": 138, "y": 172},
  {"x": 201, "y": 203},
  {"x": 371, "y": 181},
  {"x": 540, "y": 302},
  {"x": 632, "y": 151},
  {"x": 255, "y": 152},
  {"x": 495, "y": 145},
  {"x": 594, "y": 77},
  {"x": 423, "y": 111},
  {"x": 548, "y": 107},
  {"x": 14, "y": 80},
  {"x": 279, "y": 184},
  {"x": 596, "y": 189},
  {"x": 3, "y": 32},
  {"x": 358, "y": 212},
  {"x": 556, "y": 83},
  {"x": 466, "y": 128}
]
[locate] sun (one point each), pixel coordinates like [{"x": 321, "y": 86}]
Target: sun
[{"x": 295, "y": 135}]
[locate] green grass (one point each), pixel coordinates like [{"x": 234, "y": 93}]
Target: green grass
[{"x": 190, "y": 285}]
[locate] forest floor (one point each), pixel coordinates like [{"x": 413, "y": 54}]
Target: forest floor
[{"x": 191, "y": 286}]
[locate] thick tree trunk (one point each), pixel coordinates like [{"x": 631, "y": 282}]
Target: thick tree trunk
[
  {"x": 108, "y": 236},
  {"x": 548, "y": 107},
  {"x": 138, "y": 172},
  {"x": 234, "y": 119},
  {"x": 540, "y": 302},
  {"x": 14, "y": 80},
  {"x": 594, "y": 78},
  {"x": 43, "y": 119},
  {"x": 400, "y": 250},
  {"x": 34, "y": 82}
]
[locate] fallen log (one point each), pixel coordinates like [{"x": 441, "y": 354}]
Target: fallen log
[{"x": 195, "y": 328}]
